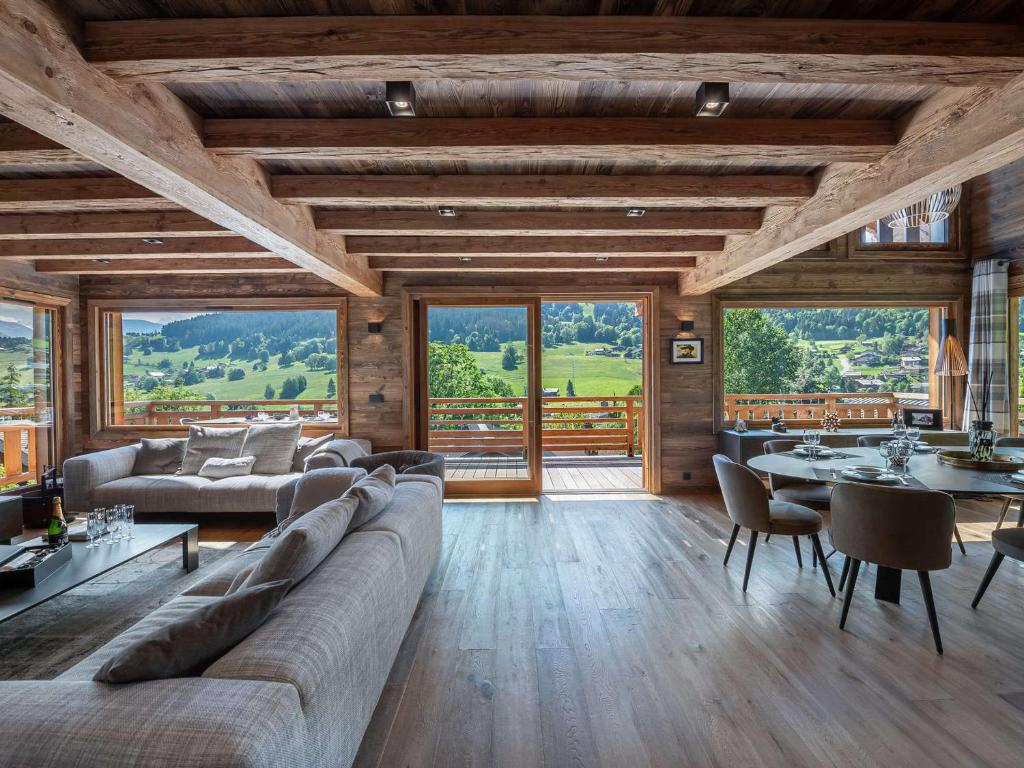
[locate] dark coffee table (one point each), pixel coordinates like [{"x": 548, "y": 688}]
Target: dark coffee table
[{"x": 87, "y": 564}]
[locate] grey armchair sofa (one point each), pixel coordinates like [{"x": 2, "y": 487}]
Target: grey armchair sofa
[
  {"x": 105, "y": 478},
  {"x": 297, "y": 693}
]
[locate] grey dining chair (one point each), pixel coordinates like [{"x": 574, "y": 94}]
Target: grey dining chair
[
  {"x": 904, "y": 528},
  {"x": 1008, "y": 542},
  {"x": 1010, "y": 442},
  {"x": 872, "y": 441},
  {"x": 806, "y": 493},
  {"x": 748, "y": 505}
]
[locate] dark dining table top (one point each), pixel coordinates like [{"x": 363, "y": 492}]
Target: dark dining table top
[{"x": 925, "y": 468}]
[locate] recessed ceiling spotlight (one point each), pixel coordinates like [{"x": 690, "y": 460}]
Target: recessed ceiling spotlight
[
  {"x": 103, "y": 261},
  {"x": 400, "y": 97},
  {"x": 601, "y": 259},
  {"x": 464, "y": 259},
  {"x": 635, "y": 212},
  {"x": 446, "y": 211},
  {"x": 712, "y": 99},
  {"x": 152, "y": 241}
]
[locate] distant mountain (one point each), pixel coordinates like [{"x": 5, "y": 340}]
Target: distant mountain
[
  {"x": 15, "y": 330},
  {"x": 141, "y": 326}
]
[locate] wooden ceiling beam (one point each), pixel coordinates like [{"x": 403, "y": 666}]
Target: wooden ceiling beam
[
  {"x": 540, "y": 223},
  {"x": 22, "y": 146},
  {"x": 806, "y": 141},
  {"x": 556, "y": 191},
  {"x": 670, "y": 263},
  {"x": 147, "y": 135},
  {"x": 78, "y": 194},
  {"x": 565, "y": 48},
  {"x": 126, "y": 248},
  {"x": 531, "y": 247},
  {"x": 951, "y": 138},
  {"x": 42, "y": 226},
  {"x": 218, "y": 266}
]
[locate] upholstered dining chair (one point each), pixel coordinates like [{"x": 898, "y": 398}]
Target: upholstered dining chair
[
  {"x": 872, "y": 441},
  {"x": 904, "y": 528},
  {"x": 806, "y": 493},
  {"x": 1010, "y": 442},
  {"x": 748, "y": 505},
  {"x": 1008, "y": 542}
]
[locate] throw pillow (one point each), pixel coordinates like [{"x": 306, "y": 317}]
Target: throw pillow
[
  {"x": 159, "y": 457},
  {"x": 306, "y": 448},
  {"x": 207, "y": 443},
  {"x": 187, "y": 646},
  {"x": 373, "y": 493},
  {"x": 218, "y": 469},
  {"x": 273, "y": 445},
  {"x": 305, "y": 544},
  {"x": 319, "y": 486}
]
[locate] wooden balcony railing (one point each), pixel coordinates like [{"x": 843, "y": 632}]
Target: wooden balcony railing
[
  {"x": 863, "y": 408},
  {"x": 18, "y": 432},
  {"x": 569, "y": 424},
  {"x": 170, "y": 412}
]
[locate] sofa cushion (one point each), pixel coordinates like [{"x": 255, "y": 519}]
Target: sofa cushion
[
  {"x": 307, "y": 447},
  {"x": 373, "y": 493},
  {"x": 319, "y": 486},
  {"x": 338, "y": 453},
  {"x": 208, "y": 442},
  {"x": 251, "y": 493},
  {"x": 304, "y": 544},
  {"x": 218, "y": 469},
  {"x": 273, "y": 445},
  {"x": 153, "y": 493},
  {"x": 161, "y": 456},
  {"x": 218, "y": 581},
  {"x": 188, "y": 645}
]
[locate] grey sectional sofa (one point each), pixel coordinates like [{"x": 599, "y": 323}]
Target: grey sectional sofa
[
  {"x": 297, "y": 693},
  {"x": 105, "y": 478}
]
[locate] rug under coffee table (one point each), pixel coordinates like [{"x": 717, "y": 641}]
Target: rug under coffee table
[{"x": 86, "y": 564}]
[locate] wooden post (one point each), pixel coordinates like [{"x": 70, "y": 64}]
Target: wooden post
[{"x": 629, "y": 427}]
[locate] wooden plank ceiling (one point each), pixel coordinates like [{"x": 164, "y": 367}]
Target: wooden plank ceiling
[{"x": 540, "y": 132}]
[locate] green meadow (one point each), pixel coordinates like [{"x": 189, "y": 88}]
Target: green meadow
[{"x": 594, "y": 375}]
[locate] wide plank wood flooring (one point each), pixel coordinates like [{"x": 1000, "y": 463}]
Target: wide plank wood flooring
[{"x": 604, "y": 631}]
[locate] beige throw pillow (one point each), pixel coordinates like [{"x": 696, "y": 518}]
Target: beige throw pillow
[
  {"x": 187, "y": 646},
  {"x": 373, "y": 493},
  {"x": 208, "y": 443},
  {"x": 218, "y": 469},
  {"x": 273, "y": 445}
]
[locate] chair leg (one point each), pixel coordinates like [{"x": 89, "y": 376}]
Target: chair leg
[
  {"x": 1003, "y": 511},
  {"x": 750, "y": 558},
  {"x": 732, "y": 541},
  {"x": 819, "y": 554},
  {"x": 814, "y": 558},
  {"x": 997, "y": 560},
  {"x": 929, "y": 603},
  {"x": 845, "y": 573},
  {"x": 959, "y": 541},
  {"x": 1020, "y": 514},
  {"x": 796, "y": 548},
  {"x": 767, "y": 538},
  {"x": 848, "y": 598}
]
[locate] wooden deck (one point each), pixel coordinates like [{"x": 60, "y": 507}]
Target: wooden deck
[{"x": 561, "y": 473}]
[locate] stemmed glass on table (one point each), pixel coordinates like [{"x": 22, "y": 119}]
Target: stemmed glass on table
[
  {"x": 93, "y": 528},
  {"x": 812, "y": 439}
]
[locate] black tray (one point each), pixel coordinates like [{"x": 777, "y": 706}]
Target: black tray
[{"x": 32, "y": 576}]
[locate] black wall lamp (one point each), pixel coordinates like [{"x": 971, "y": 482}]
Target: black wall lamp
[
  {"x": 400, "y": 97},
  {"x": 686, "y": 326},
  {"x": 712, "y": 99},
  {"x": 374, "y": 327}
]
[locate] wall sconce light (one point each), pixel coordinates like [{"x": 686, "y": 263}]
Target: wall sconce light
[
  {"x": 374, "y": 327},
  {"x": 376, "y": 397},
  {"x": 686, "y": 326},
  {"x": 447, "y": 211},
  {"x": 712, "y": 99},
  {"x": 401, "y": 98}
]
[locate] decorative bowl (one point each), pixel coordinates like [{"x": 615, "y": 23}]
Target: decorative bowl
[{"x": 1000, "y": 462}]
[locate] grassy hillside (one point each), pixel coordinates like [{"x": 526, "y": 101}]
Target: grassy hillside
[{"x": 597, "y": 376}]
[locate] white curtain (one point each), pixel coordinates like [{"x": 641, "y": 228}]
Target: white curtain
[{"x": 987, "y": 351}]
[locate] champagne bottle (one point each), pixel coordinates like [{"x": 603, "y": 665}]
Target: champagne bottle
[{"x": 57, "y": 530}]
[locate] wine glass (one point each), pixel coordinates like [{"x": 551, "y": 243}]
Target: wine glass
[
  {"x": 129, "y": 521},
  {"x": 913, "y": 434},
  {"x": 885, "y": 450},
  {"x": 813, "y": 438},
  {"x": 92, "y": 529},
  {"x": 899, "y": 430},
  {"x": 904, "y": 452},
  {"x": 110, "y": 517}
]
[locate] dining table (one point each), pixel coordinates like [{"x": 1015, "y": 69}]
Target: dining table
[{"x": 924, "y": 471}]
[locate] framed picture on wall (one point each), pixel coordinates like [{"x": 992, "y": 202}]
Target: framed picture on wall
[
  {"x": 923, "y": 418},
  {"x": 687, "y": 350}
]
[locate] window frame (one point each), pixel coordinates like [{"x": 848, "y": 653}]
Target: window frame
[
  {"x": 1015, "y": 293},
  {"x": 940, "y": 307},
  {"x": 954, "y": 249},
  {"x": 102, "y": 426}
]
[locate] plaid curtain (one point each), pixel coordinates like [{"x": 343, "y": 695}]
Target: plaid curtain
[{"x": 988, "y": 350}]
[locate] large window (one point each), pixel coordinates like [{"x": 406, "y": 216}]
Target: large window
[
  {"x": 177, "y": 365},
  {"x": 878, "y": 233},
  {"x": 28, "y": 387},
  {"x": 863, "y": 361}
]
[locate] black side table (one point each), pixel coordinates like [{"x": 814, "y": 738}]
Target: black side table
[{"x": 10, "y": 518}]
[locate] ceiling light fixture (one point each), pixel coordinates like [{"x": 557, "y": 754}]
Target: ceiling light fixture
[
  {"x": 152, "y": 241},
  {"x": 601, "y": 259},
  {"x": 446, "y": 211},
  {"x": 635, "y": 212},
  {"x": 400, "y": 97},
  {"x": 931, "y": 210},
  {"x": 103, "y": 261},
  {"x": 464, "y": 259},
  {"x": 712, "y": 99}
]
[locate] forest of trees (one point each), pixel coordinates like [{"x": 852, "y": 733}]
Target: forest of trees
[{"x": 850, "y": 322}]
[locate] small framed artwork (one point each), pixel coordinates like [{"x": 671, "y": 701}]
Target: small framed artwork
[
  {"x": 923, "y": 418},
  {"x": 687, "y": 350}
]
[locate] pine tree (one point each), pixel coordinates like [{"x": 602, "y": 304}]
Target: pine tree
[
  {"x": 11, "y": 393},
  {"x": 332, "y": 389},
  {"x": 268, "y": 393},
  {"x": 509, "y": 359},
  {"x": 570, "y": 390}
]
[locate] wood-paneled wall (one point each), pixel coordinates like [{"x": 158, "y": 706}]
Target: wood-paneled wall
[{"x": 997, "y": 213}]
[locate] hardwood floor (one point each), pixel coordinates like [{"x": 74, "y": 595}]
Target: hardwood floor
[{"x": 606, "y": 632}]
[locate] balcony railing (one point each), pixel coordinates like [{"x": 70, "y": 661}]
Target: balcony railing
[
  {"x": 569, "y": 424},
  {"x": 170, "y": 412},
  {"x": 18, "y": 429},
  {"x": 864, "y": 408}
]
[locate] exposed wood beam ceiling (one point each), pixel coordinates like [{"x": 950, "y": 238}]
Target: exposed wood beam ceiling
[
  {"x": 545, "y": 47},
  {"x": 21, "y": 146},
  {"x": 539, "y": 223},
  {"x": 807, "y": 141},
  {"x": 556, "y": 191},
  {"x": 147, "y": 135},
  {"x": 951, "y": 138},
  {"x": 30, "y": 226},
  {"x": 527, "y": 247},
  {"x": 266, "y": 265},
  {"x": 77, "y": 194},
  {"x": 518, "y": 264},
  {"x": 120, "y": 248}
]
